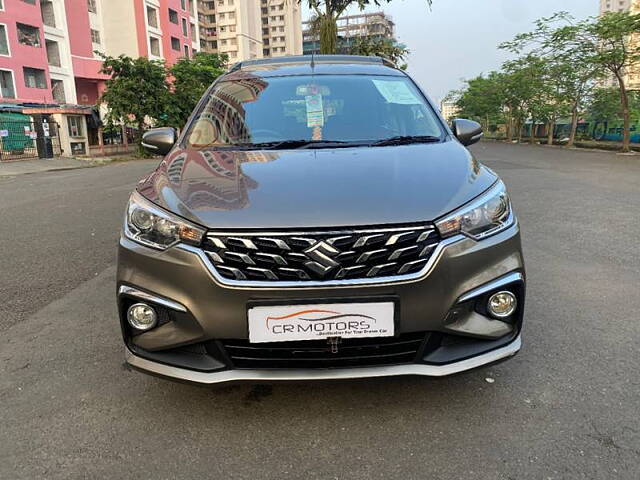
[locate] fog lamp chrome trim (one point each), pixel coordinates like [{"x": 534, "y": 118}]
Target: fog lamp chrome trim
[
  {"x": 150, "y": 297},
  {"x": 500, "y": 282},
  {"x": 210, "y": 378}
]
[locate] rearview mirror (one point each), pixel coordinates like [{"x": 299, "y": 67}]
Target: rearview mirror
[
  {"x": 467, "y": 132},
  {"x": 159, "y": 141}
]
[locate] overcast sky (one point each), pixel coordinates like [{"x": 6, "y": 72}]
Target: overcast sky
[{"x": 457, "y": 39}]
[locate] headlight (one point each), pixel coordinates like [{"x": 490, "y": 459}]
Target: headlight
[
  {"x": 488, "y": 214},
  {"x": 148, "y": 224}
]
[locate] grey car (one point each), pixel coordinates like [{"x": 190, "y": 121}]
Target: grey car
[{"x": 318, "y": 219}]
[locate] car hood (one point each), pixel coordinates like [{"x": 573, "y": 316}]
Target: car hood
[{"x": 302, "y": 188}]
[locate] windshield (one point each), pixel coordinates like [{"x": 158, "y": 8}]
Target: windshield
[{"x": 322, "y": 108}]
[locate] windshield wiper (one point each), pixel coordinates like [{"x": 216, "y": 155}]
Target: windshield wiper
[
  {"x": 405, "y": 140},
  {"x": 285, "y": 144}
]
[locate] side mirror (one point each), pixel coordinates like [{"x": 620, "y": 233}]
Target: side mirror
[
  {"x": 467, "y": 132},
  {"x": 159, "y": 141}
]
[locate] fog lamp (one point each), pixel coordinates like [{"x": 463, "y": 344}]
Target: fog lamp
[
  {"x": 502, "y": 304},
  {"x": 141, "y": 316}
]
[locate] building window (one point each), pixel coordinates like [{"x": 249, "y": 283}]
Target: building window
[
  {"x": 48, "y": 13},
  {"x": 91, "y": 6},
  {"x": 28, "y": 35},
  {"x": 53, "y": 52},
  {"x": 186, "y": 51},
  {"x": 193, "y": 31},
  {"x": 173, "y": 16},
  {"x": 1, "y": 4},
  {"x": 34, "y": 78},
  {"x": 75, "y": 126},
  {"x": 154, "y": 46},
  {"x": 57, "y": 89},
  {"x": 152, "y": 17},
  {"x": 95, "y": 36},
  {"x": 31, "y": 2},
  {"x": 175, "y": 44},
  {"x": 7, "y": 89},
  {"x": 185, "y": 30},
  {"x": 4, "y": 42},
  {"x": 183, "y": 4},
  {"x": 230, "y": 2}
]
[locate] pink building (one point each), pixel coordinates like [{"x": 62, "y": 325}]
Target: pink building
[{"x": 47, "y": 47}]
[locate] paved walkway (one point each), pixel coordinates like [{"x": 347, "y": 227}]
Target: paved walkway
[{"x": 21, "y": 167}]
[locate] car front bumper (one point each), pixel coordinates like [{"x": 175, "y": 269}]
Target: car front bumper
[{"x": 202, "y": 312}]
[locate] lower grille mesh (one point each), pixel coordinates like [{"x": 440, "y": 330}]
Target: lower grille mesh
[{"x": 356, "y": 352}]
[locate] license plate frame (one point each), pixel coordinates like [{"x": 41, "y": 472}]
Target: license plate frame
[{"x": 385, "y": 310}]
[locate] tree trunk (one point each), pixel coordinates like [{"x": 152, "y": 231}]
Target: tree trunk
[
  {"x": 510, "y": 127},
  {"x": 141, "y": 151},
  {"x": 328, "y": 32},
  {"x": 624, "y": 102},
  {"x": 532, "y": 138},
  {"x": 520, "y": 129},
  {"x": 574, "y": 125},
  {"x": 550, "y": 127}
]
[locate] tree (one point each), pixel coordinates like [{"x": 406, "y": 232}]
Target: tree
[
  {"x": 381, "y": 47},
  {"x": 137, "y": 91},
  {"x": 610, "y": 43},
  {"x": 528, "y": 91},
  {"x": 571, "y": 70},
  {"x": 482, "y": 99},
  {"x": 190, "y": 79},
  {"x": 326, "y": 15}
]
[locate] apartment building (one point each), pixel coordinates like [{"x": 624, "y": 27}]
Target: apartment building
[
  {"x": 246, "y": 29},
  {"x": 351, "y": 27},
  {"x": 449, "y": 110},
  {"x": 48, "y": 47},
  {"x": 615, "y": 6},
  {"x": 50, "y": 64}
]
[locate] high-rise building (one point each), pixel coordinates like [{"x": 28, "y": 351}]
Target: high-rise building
[
  {"x": 48, "y": 47},
  {"x": 246, "y": 29},
  {"x": 449, "y": 110},
  {"x": 614, "y": 6},
  {"x": 351, "y": 27},
  {"x": 50, "y": 64}
]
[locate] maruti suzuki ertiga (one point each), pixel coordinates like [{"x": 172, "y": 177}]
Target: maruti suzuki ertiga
[{"x": 317, "y": 219}]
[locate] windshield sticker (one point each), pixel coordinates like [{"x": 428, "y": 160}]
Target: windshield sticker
[
  {"x": 396, "y": 91},
  {"x": 315, "y": 112}
]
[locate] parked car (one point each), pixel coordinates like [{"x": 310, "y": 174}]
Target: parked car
[{"x": 317, "y": 219}]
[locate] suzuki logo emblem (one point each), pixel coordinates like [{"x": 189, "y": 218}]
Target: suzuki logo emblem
[{"x": 321, "y": 255}]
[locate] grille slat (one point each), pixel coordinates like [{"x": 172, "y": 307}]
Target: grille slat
[
  {"x": 321, "y": 255},
  {"x": 317, "y": 353}
]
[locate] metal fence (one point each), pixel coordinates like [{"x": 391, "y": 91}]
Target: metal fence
[{"x": 28, "y": 139}]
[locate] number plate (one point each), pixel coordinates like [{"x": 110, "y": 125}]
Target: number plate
[{"x": 318, "y": 321}]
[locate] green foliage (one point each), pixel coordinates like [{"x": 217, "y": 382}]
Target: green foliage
[
  {"x": 137, "y": 89},
  {"x": 142, "y": 91},
  {"x": 559, "y": 65},
  {"x": 381, "y": 47},
  {"x": 604, "y": 105},
  {"x": 191, "y": 78},
  {"x": 326, "y": 14},
  {"x": 482, "y": 99}
]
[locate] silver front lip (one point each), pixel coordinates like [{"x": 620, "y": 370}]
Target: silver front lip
[{"x": 212, "y": 378}]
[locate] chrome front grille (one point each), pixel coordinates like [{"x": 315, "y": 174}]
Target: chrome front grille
[{"x": 321, "y": 256}]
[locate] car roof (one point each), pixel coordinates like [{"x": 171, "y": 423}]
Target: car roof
[{"x": 315, "y": 64}]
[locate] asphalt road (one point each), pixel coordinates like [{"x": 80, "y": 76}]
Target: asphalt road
[{"x": 568, "y": 406}]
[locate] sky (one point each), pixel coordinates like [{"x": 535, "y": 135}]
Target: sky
[{"x": 457, "y": 39}]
